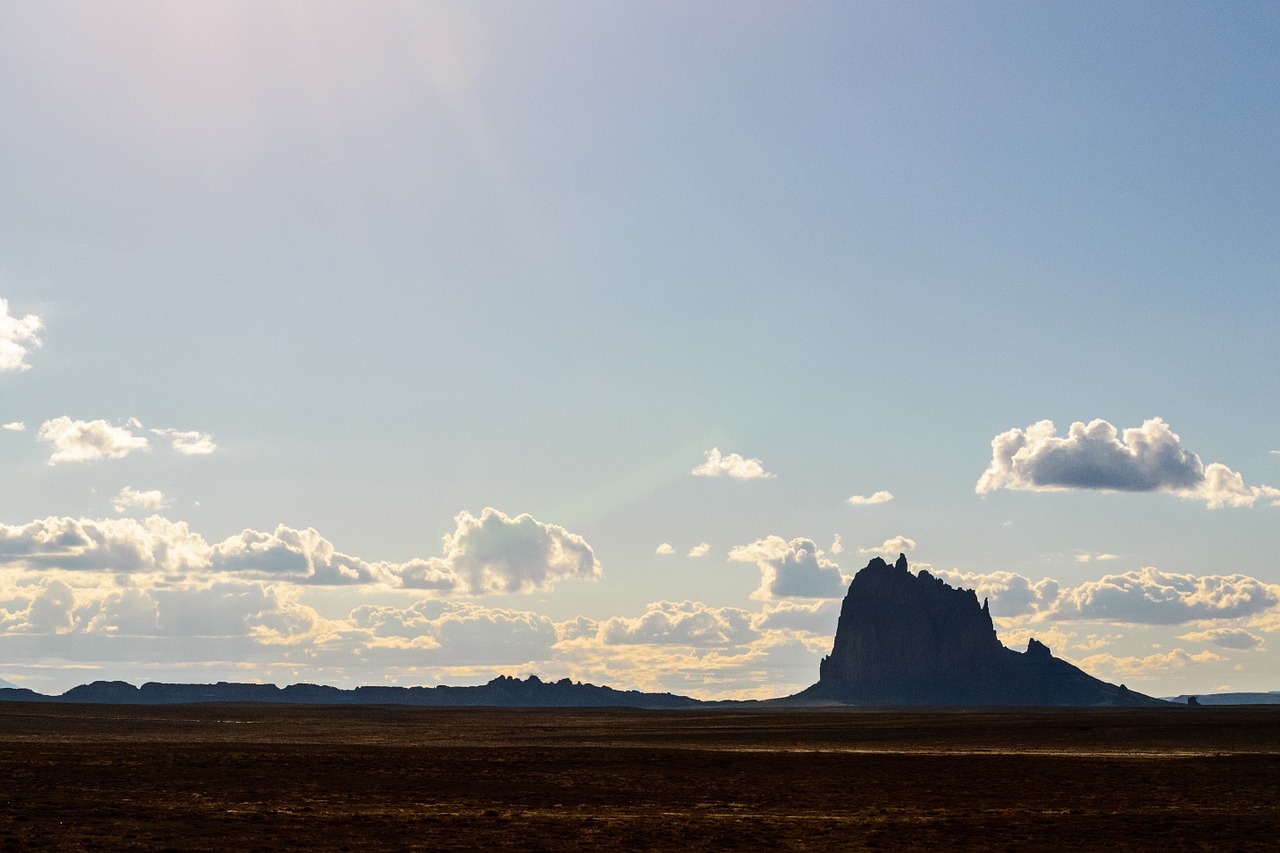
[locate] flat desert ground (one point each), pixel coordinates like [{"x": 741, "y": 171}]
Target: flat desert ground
[{"x": 260, "y": 777}]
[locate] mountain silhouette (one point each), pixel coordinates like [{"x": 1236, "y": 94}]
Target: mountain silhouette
[{"x": 911, "y": 639}]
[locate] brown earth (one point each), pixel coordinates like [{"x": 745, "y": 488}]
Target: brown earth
[{"x": 236, "y": 777}]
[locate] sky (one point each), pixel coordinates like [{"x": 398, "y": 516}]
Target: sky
[{"x": 418, "y": 343}]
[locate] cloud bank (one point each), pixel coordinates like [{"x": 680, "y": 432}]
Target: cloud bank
[
  {"x": 491, "y": 553},
  {"x": 1096, "y": 456},
  {"x": 732, "y": 465},
  {"x": 18, "y": 336}
]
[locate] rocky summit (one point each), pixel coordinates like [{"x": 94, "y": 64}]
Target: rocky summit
[{"x": 910, "y": 639}]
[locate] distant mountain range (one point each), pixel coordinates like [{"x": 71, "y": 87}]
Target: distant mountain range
[
  {"x": 1271, "y": 698},
  {"x": 503, "y": 691}
]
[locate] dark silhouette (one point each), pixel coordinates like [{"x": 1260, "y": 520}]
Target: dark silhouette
[{"x": 911, "y": 639}]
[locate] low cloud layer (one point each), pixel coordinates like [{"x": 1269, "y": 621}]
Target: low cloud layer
[
  {"x": 1146, "y": 596},
  {"x": 730, "y": 465},
  {"x": 795, "y": 569},
  {"x": 18, "y": 336},
  {"x": 489, "y": 553},
  {"x": 1095, "y": 456}
]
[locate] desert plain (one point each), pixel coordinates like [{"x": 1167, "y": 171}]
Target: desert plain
[{"x": 264, "y": 777}]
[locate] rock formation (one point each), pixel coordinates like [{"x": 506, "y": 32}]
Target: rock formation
[{"x": 911, "y": 639}]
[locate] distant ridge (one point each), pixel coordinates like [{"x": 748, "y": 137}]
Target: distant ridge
[
  {"x": 503, "y": 691},
  {"x": 1270, "y": 698},
  {"x": 913, "y": 640}
]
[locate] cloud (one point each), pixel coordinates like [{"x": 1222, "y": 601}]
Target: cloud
[
  {"x": 459, "y": 633},
  {"x": 817, "y": 618},
  {"x": 795, "y": 569},
  {"x": 80, "y": 441},
  {"x": 1085, "y": 558},
  {"x": 686, "y": 623},
  {"x": 731, "y": 465},
  {"x": 891, "y": 547},
  {"x": 130, "y": 498},
  {"x": 1095, "y": 456},
  {"x": 699, "y": 550},
  {"x": 1147, "y": 596},
  {"x": 1150, "y": 596},
  {"x": 122, "y": 545},
  {"x": 300, "y": 556},
  {"x": 1227, "y": 638},
  {"x": 486, "y": 554},
  {"x": 869, "y": 500},
  {"x": 1149, "y": 665},
  {"x": 18, "y": 336},
  {"x": 837, "y": 547},
  {"x": 188, "y": 443},
  {"x": 15, "y": 426},
  {"x": 497, "y": 553},
  {"x": 665, "y": 549}
]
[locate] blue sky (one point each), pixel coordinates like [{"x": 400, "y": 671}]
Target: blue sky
[{"x": 357, "y": 273}]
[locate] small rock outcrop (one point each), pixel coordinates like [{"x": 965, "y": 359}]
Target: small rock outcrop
[{"x": 911, "y": 639}]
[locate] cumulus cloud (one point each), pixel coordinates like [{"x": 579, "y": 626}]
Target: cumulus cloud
[
  {"x": 1147, "y": 596},
  {"x": 686, "y": 623},
  {"x": 15, "y": 426},
  {"x": 1096, "y": 456},
  {"x": 130, "y": 498},
  {"x": 816, "y": 618},
  {"x": 795, "y": 569},
  {"x": 1227, "y": 638},
  {"x": 700, "y": 550},
  {"x": 188, "y": 443},
  {"x": 300, "y": 556},
  {"x": 1150, "y": 596},
  {"x": 870, "y": 500},
  {"x": 837, "y": 547},
  {"x": 731, "y": 465},
  {"x": 665, "y": 549},
  {"x": 1085, "y": 558},
  {"x": 891, "y": 547},
  {"x": 18, "y": 336},
  {"x": 81, "y": 441},
  {"x": 485, "y": 554},
  {"x": 497, "y": 553}
]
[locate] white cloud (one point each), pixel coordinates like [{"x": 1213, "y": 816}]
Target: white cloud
[
  {"x": 130, "y": 498},
  {"x": 491, "y": 553},
  {"x": 457, "y": 633},
  {"x": 1149, "y": 665},
  {"x": 731, "y": 465},
  {"x": 1085, "y": 558},
  {"x": 837, "y": 547},
  {"x": 816, "y": 618},
  {"x": 1096, "y": 456},
  {"x": 891, "y": 547},
  {"x": 687, "y": 623},
  {"x": 188, "y": 443},
  {"x": 497, "y": 553},
  {"x": 1227, "y": 638},
  {"x": 300, "y": 556},
  {"x": 665, "y": 549},
  {"x": 869, "y": 500},
  {"x": 80, "y": 441},
  {"x": 699, "y": 550},
  {"x": 791, "y": 569},
  {"x": 1147, "y": 596},
  {"x": 18, "y": 336},
  {"x": 15, "y": 426},
  {"x": 122, "y": 545}
]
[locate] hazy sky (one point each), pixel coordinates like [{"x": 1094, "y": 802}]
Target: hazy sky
[{"x": 417, "y": 343}]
